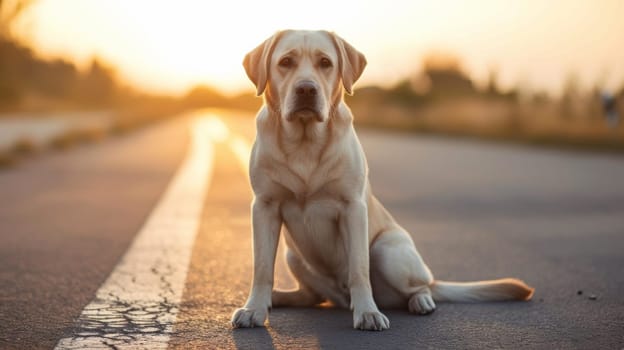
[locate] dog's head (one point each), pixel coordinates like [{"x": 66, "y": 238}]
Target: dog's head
[{"x": 302, "y": 73}]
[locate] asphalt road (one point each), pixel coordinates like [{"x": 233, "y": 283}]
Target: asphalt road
[
  {"x": 476, "y": 210},
  {"x": 65, "y": 220}
]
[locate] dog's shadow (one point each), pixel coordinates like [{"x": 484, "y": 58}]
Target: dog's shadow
[
  {"x": 253, "y": 338},
  {"x": 455, "y": 326},
  {"x": 312, "y": 328}
]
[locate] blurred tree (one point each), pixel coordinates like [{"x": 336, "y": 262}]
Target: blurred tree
[
  {"x": 10, "y": 10},
  {"x": 421, "y": 84},
  {"x": 447, "y": 77},
  {"x": 203, "y": 96},
  {"x": 403, "y": 93},
  {"x": 441, "y": 61},
  {"x": 245, "y": 100},
  {"x": 540, "y": 98},
  {"x": 14, "y": 64},
  {"x": 492, "y": 83},
  {"x": 56, "y": 79},
  {"x": 570, "y": 97},
  {"x": 368, "y": 96},
  {"x": 97, "y": 87}
]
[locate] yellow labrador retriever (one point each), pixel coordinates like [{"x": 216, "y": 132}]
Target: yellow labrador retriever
[{"x": 309, "y": 175}]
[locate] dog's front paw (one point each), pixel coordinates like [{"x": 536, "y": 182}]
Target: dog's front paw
[
  {"x": 249, "y": 317},
  {"x": 370, "y": 321}
]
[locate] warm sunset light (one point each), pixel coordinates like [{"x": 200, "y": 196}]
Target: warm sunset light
[
  {"x": 171, "y": 46},
  {"x": 467, "y": 192}
]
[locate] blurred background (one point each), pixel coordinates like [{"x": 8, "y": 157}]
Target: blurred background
[
  {"x": 527, "y": 71},
  {"x": 453, "y": 94}
]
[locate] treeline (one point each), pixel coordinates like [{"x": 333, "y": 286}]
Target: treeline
[
  {"x": 28, "y": 82},
  {"x": 443, "y": 80},
  {"x": 442, "y": 99},
  {"x": 442, "y": 86}
]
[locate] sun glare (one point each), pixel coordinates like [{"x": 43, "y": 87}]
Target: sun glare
[
  {"x": 165, "y": 47},
  {"x": 171, "y": 46}
]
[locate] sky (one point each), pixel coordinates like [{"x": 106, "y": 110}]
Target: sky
[{"x": 170, "y": 46}]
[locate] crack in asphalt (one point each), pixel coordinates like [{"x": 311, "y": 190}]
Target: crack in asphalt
[
  {"x": 110, "y": 321},
  {"x": 137, "y": 305}
]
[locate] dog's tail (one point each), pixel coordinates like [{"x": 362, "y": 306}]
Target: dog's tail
[{"x": 493, "y": 290}]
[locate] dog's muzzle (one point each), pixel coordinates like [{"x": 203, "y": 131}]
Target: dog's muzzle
[{"x": 305, "y": 105}]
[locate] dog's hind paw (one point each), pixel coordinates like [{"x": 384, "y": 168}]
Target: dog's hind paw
[
  {"x": 421, "y": 303},
  {"x": 248, "y": 318},
  {"x": 370, "y": 321}
]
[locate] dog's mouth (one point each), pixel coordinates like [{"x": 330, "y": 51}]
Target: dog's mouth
[{"x": 305, "y": 115}]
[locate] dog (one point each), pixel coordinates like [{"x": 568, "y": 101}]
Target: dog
[{"x": 310, "y": 181}]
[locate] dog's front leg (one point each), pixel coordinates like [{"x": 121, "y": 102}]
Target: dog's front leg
[
  {"x": 366, "y": 315},
  {"x": 266, "y": 222}
]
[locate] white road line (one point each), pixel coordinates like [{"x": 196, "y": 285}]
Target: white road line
[{"x": 137, "y": 305}]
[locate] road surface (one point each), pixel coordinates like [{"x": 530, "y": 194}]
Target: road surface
[{"x": 70, "y": 228}]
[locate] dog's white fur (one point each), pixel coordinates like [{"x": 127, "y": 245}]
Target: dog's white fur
[{"x": 309, "y": 175}]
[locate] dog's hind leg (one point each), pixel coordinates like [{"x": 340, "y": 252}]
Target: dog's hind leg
[
  {"x": 398, "y": 273},
  {"x": 313, "y": 289}
]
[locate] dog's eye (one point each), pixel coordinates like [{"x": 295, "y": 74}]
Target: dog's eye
[
  {"x": 325, "y": 63},
  {"x": 286, "y": 62}
]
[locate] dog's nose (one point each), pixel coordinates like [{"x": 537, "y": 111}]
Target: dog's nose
[{"x": 306, "y": 88}]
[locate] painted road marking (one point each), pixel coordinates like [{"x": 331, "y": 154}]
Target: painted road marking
[{"x": 137, "y": 305}]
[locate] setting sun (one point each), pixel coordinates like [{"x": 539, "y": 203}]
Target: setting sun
[{"x": 162, "y": 47}]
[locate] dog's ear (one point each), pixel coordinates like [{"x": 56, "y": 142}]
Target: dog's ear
[
  {"x": 352, "y": 62},
  {"x": 257, "y": 63}
]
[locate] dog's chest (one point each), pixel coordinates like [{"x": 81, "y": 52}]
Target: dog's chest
[
  {"x": 303, "y": 174},
  {"x": 312, "y": 228},
  {"x": 303, "y": 166}
]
